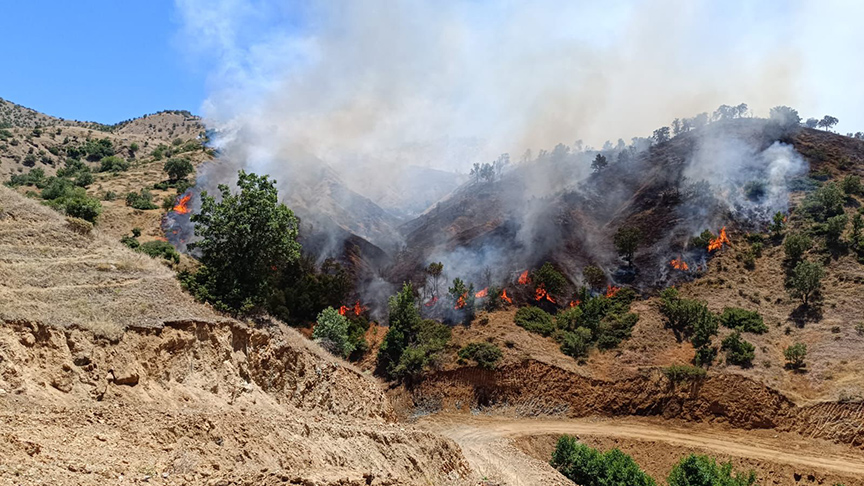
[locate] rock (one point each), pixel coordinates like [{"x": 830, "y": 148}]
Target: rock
[{"x": 125, "y": 376}]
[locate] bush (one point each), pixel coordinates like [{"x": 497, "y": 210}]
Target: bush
[
  {"x": 696, "y": 470},
  {"x": 705, "y": 356},
  {"x": 178, "y": 168},
  {"x": 587, "y": 466},
  {"x": 594, "y": 276},
  {"x": 680, "y": 373},
  {"x": 795, "y": 245},
  {"x": 550, "y": 279},
  {"x": 795, "y": 355},
  {"x": 160, "y": 249},
  {"x": 743, "y": 320},
  {"x": 577, "y": 343},
  {"x": 615, "y": 328},
  {"x": 432, "y": 337},
  {"x": 142, "y": 200},
  {"x": 534, "y": 319},
  {"x": 688, "y": 318},
  {"x": 806, "y": 280},
  {"x": 130, "y": 241},
  {"x": 825, "y": 202},
  {"x": 486, "y": 355},
  {"x": 331, "y": 331},
  {"x": 113, "y": 164},
  {"x": 834, "y": 228},
  {"x": 98, "y": 149},
  {"x": 568, "y": 319},
  {"x": 851, "y": 185},
  {"x": 738, "y": 351}
]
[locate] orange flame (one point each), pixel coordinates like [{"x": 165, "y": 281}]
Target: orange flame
[
  {"x": 482, "y": 293},
  {"x": 679, "y": 264},
  {"x": 182, "y": 206},
  {"x": 575, "y": 303},
  {"x": 358, "y": 309},
  {"x": 717, "y": 243},
  {"x": 461, "y": 302},
  {"x": 505, "y": 298},
  {"x": 343, "y": 310},
  {"x": 431, "y": 302},
  {"x": 523, "y": 279},
  {"x": 611, "y": 290},
  {"x": 540, "y": 294}
]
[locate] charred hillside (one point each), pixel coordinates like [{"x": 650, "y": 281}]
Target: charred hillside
[{"x": 555, "y": 208}]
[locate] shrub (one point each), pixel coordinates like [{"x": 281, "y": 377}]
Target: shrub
[
  {"x": 432, "y": 337},
  {"x": 404, "y": 318},
  {"x": 77, "y": 204},
  {"x": 825, "y": 202},
  {"x": 795, "y": 245},
  {"x": 806, "y": 280},
  {"x": 113, "y": 164},
  {"x": 534, "y": 319},
  {"x": 594, "y": 276},
  {"x": 834, "y": 228},
  {"x": 486, "y": 355},
  {"x": 130, "y": 241},
  {"x": 738, "y": 351},
  {"x": 688, "y": 318},
  {"x": 587, "y": 466},
  {"x": 331, "y": 331},
  {"x": 160, "y": 249},
  {"x": 696, "y": 470},
  {"x": 178, "y": 168},
  {"x": 550, "y": 279},
  {"x": 851, "y": 185},
  {"x": 136, "y": 232},
  {"x": 705, "y": 356},
  {"x": 98, "y": 149},
  {"x": 142, "y": 200},
  {"x": 615, "y": 328},
  {"x": 795, "y": 355},
  {"x": 680, "y": 373},
  {"x": 743, "y": 320},
  {"x": 568, "y": 319},
  {"x": 576, "y": 343}
]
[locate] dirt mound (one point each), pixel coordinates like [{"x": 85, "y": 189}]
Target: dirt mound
[{"x": 204, "y": 402}]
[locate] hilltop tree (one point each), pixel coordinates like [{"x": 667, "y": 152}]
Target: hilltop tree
[
  {"x": 245, "y": 238},
  {"x": 677, "y": 127},
  {"x": 806, "y": 280},
  {"x": 661, "y": 135},
  {"x": 784, "y": 116},
  {"x": 434, "y": 271},
  {"x": 827, "y": 122},
  {"x": 599, "y": 163},
  {"x": 627, "y": 241},
  {"x": 500, "y": 163},
  {"x": 811, "y": 123}
]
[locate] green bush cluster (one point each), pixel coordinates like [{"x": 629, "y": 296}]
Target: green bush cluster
[
  {"x": 597, "y": 321},
  {"x": 738, "y": 351},
  {"x": 331, "y": 331},
  {"x": 113, "y": 164},
  {"x": 140, "y": 200},
  {"x": 695, "y": 470},
  {"x": 486, "y": 355},
  {"x": 743, "y": 320},
  {"x": 411, "y": 344},
  {"x": 681, "y": 373},
  {"x": 587, "y": 466}
]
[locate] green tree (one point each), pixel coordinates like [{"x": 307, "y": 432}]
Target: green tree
[
  {"x": 331, "y": 331},
  {"x": 113, "y": 164},
  {"x": 795, "y": 245},
  {"x": 404, "y": 320},
  {"x": 696, "y": 470},
  {"x": 857, "y": 226},
  {"x": 178, "y": 168},
  {"x": 738, "y": 351},
  {"x": 778, "y": 224},
  {"x": 627, "y": 240},
  {"x": 434, "y": 271},
  {"x": 244, "y": 239},
  {"x": 795, "y": 355},
  {"x": 806, "y": 280},
  {"x": 851, "y": 185},
  {"x": 577, "y": 343},
  {"x": 834, "y": 228},
  {"x": 587, "y": 466},
  {"x": 550, "y": 279}
]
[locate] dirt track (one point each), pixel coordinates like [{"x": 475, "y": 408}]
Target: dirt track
[{"x": 774, "y": 456}]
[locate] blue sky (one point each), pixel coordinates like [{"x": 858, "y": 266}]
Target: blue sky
[{"x": 99, "y": 60}]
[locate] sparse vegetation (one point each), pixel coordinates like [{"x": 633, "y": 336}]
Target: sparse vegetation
[
  {"x": 738, "y": 351},
  {"x": 795, "y": 355},
  {"x": 160, "y": 249}
]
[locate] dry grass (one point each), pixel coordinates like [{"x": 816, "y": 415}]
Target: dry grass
[{"x": 53, "y": 274}]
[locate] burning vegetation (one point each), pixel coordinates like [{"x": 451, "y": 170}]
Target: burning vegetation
[
  {"x": 182, "y": 206},
  {"x": 717, "y": 243},
  {"x": 679, "y": 264}
]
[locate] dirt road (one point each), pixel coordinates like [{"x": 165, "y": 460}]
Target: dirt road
[{"x": 491, "y": 446}]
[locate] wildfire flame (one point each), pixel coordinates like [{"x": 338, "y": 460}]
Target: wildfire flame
[
  {"x": 611, "y": 290},
  {"x": 523, "y": 279},
  {"x": 182, "y": 206},
  {"x": 505, "y": 298},
  {"x": 574, "y": 303},
  {"x": 679, "y": 264},
  {"x": 461, "y": 302},
  {"x": 540, "y": 294},
  {"x": 717, "y": 243},
  {"x": 431, "y": 302},
  {"x": 357, "y": 309},
  {"x": 482, "y": 293}
]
